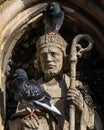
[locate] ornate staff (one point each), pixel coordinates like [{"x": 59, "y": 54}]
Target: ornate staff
[{"x": 76, "y": 51}]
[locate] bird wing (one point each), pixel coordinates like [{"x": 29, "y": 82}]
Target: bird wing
[
  {"x": 33, "y": 95},
  {"x": 58, "y": 19},
  {"x": 50, "y": 107},
  {"x": 54, "y": 22},
  {"x": 33, "y": 91},
  {"x": 37, "y": 96}
]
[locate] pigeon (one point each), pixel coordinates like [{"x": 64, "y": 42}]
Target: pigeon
[
  {"x": 30, "y": 93},
  {"x": 53, "y": 17}
]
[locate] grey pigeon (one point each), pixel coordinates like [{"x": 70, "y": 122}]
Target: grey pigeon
[
  {"x": 53, "y": 17},
  {"x": 32, "y": 94}
]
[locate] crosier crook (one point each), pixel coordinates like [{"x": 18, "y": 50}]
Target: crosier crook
[{"x": 76, "y": 51}]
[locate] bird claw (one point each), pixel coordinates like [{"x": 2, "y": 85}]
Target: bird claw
[
  {"x": 56, "y": 33},
  {"x": 30, "y": 114},
  {"x": 47, "y": 31}
]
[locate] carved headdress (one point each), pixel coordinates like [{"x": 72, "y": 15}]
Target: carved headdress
[{"x": 51, "y": 40}]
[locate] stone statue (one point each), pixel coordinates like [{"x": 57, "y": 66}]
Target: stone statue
[{"x": 51, "y": 54}]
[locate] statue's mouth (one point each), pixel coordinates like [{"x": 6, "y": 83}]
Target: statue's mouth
[{"x": 50, "y": 66}]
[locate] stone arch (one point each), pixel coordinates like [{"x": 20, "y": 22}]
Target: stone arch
[
  {"x": 10, "y": 34},
  {"x": 20, "y": 13}
]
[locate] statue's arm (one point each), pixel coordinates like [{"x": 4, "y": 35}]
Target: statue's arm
[{"x": 81, "y": 98}]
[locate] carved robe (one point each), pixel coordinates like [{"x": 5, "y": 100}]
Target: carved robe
[
  {"x": 85, "y": 120},
  {"x": 58, "y": 91}
]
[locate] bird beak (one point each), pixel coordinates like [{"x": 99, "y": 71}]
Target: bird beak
[
  {"x": 51, "y": 7},
  {"x": 14, "y": 75}
]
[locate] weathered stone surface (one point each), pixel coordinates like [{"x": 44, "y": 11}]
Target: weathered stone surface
[
  {"x": 17, "y": 15},
  {"x": 1, "y": 1}
]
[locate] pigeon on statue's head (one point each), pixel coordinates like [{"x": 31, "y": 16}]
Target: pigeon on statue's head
[
  {"x": 53, "y": 17},
  {"x": 30, "y": 93}
]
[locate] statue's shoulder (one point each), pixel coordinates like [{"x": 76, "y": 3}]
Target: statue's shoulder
[
  {"x": 79, "y": 83},
  {"x": 67, "y": 80}
]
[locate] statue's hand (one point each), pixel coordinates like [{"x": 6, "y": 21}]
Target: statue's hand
[
  {"x": 30, "y": 122},
  {"x": 75, "y": 97}
]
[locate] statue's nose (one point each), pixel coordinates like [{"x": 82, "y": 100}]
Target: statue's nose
[{"x": 49, "y": 57}]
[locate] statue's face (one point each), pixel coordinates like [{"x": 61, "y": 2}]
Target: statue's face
[{"x": 51, "y": 60}]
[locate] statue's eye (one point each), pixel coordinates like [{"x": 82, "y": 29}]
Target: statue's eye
[{"x": 53, "y": 54}]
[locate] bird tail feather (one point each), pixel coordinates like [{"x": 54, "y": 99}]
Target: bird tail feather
[
  {"x": 50, "y": 108},
  {"x": 52, "y": 115}
]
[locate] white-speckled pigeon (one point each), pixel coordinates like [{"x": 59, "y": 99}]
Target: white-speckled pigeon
[
  {"x": 53, "y": 17},
  {"x": 32, "y": 94}
]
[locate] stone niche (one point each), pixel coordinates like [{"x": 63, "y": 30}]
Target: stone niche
[{"x": 21, "y": 24}]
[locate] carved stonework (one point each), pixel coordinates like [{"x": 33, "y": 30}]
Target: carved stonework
[
  {"x": 20, "y": 18},
  {"x": 53, "y": 40},
  {"x": 51, "y": 49}
]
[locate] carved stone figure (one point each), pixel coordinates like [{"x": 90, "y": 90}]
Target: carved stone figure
[{"x": 51, "y": 54}]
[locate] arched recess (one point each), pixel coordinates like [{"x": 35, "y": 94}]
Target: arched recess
[
  {"x": 8, "y": 39},
  {"x": 27, "y": 12}
]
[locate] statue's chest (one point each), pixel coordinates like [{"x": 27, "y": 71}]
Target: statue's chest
[{"x": 56, "y": 90}]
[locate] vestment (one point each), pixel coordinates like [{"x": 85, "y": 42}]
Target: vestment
[{"x": 85, "y": 120}]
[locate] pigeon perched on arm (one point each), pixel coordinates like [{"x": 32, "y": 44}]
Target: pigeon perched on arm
[
  {"x": 30, "y": 93},
  {"x": 53, "y": 17}
]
